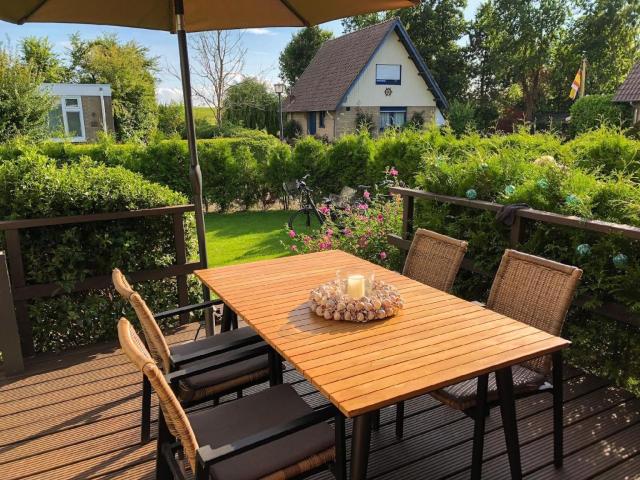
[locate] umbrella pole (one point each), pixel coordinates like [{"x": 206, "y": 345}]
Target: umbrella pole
[{"x": 195, "y": 174}]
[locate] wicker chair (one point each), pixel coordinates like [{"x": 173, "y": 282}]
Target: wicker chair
[
  {"x": 434, "y": 260},
  {"x": 538, "y": 292},
  {"x": 217, "y": 349},
  {"x": 273, "y": 434}
]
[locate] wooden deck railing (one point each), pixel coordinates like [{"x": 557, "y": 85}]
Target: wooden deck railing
[
  {"x": 612, "y": 310},
  {"x": 16, "y": 338}
]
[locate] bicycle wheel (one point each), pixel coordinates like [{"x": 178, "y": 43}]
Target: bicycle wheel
[{"x": 305, "y": 221}]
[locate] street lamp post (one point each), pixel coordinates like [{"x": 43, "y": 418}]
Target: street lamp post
[{"x": 279, "y": 89}]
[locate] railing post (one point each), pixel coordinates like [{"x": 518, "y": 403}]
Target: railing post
[
  {"x": 181, "y": 259},
  {"x": 9, "y": 333},
  {"x": 407, "y": 216},
  {"x": 517, "y": 232},
  {"x": 16, "y": 273}
]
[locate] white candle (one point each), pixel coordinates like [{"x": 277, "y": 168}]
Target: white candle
[{"x": 355, "y": 286}]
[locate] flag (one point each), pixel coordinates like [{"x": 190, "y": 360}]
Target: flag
[{"x": 575, "y": 86}]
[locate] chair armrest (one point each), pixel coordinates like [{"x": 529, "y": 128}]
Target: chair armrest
[
  {"x": 190, "y": 369},
  {"x": 206, "y": 455},
  {"x": 187, "y": 309},
  {"x": 177, "y": 360}
]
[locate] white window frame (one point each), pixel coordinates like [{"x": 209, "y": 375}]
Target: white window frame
[{"x": 63, "y": 104}]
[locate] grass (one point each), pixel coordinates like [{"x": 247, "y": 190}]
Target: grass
[
  {"x": 204, "y": 113},
  {"x": 245, "y": 236}
]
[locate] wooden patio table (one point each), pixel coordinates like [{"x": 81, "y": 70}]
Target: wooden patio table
[{"x": 435, "y": 341}]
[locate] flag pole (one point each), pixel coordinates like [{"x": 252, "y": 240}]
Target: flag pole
[{"x": 583, "y": 76}]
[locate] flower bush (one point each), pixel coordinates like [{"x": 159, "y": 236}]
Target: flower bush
[{"x": 360, "y": 229}]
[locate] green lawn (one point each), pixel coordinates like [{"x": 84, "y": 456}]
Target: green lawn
[
  {"x": 204, "y": 113},
  {"x": 245, "y": 236}
]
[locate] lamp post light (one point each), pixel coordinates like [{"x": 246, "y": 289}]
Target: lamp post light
[{"x": 279, "y": 89}]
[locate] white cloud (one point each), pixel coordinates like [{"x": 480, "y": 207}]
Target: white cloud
[
  {"x": 259, "y": 31},
  {"x": 169, "y": 94}
]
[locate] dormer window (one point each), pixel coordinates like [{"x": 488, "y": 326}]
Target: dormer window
[{"x": 387, "y": 74}]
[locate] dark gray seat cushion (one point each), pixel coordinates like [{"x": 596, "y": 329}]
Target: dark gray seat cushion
[
  {"x": 235, "y": 420},
  {"x": 463, "y": 395},
  {"x": 225, "y": 374},
  {"x": 212, "y": 341}
]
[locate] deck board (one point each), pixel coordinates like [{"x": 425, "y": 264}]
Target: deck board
[{"x": 76, "y": 416}]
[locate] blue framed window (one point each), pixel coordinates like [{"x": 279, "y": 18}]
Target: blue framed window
[
  {"x": 387, "y": 74},
  {"x": 392, "y": 117},
  {"x": 321, "y": 118}
]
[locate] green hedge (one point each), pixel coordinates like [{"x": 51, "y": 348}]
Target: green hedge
[
  {"x": 576, "y": 178},
  {"x": 33, "y": 186}
]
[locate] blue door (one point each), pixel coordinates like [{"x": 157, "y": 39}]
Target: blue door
[{"x": 311, "y": 123}]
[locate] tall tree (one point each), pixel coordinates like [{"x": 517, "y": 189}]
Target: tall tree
[
  {"x": 607, "y": 33},
  {"x": 436, "y": 28},
  {"x": 130, "y": 70},
  {"x": 24, "y": 107},
  {"x": 520, "y": 37},
  {"x": 299, "y": 52},
  {"x": 250, "y": 103},
  {"x": 219, "y": 58},
  {"x": 38, "y": 52}
]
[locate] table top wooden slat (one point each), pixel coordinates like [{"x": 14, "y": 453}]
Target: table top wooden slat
[{"x": 435, "y": 341}]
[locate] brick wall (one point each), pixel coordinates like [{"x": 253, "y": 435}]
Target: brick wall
[{"x": 92, "y": 113}]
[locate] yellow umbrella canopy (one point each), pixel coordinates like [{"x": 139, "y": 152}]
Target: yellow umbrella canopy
[{"x": 199, "y": 15}]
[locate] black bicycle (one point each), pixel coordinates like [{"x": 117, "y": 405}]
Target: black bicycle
[{"x": 308, "y": 217}]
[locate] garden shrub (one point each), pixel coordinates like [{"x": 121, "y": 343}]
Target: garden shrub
[
  {"x": 309, "y": 157},
  {"x": 606, "y": 150},
  {"x": 34, "y": 186},
  {"x": 593, "y": 111},
  {"x": 291, "y": 129},
  {"x": 360, "y": 230},
  {"x": 524, "y": 172},
  {"x": 348, "y": 162}
]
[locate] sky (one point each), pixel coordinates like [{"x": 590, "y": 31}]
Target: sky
[{"x": 263, "y": 46}]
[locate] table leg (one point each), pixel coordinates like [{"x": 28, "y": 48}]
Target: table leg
[
  {"x": 478, "y": 431},
  {"x": 360, "y": 443},
  {"x": 227, "y": 319},
  {"x": 557, "y": 409},
  {"x": 275, "y": 368},
  {"x": 504, "y": 380}
]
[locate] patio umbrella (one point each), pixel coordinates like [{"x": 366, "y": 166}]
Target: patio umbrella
[{"x": 182, "y": 16}]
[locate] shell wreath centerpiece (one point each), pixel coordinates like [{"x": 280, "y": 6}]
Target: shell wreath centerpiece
[{"x": 331, "y": 302}]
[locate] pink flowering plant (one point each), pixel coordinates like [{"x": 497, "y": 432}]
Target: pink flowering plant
[{"x": 361, "y": 231}]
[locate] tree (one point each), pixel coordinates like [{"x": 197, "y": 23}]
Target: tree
[
  {"x": 218, "y": 62},
  {"x": 484, "y": 84},
  {"x": 171, "y": 119},
  {"x": 250, "y": 104},
  {"x": 607, "y": 33},
  {"x": 130, "y": 70},
  {"x": 24, "y": 107},
  {"x": 299, "y": 52},
  {"x": 38, "y": 52},
  {"x": 520, "y": 37},
  {"x": 436, "y": 28}
]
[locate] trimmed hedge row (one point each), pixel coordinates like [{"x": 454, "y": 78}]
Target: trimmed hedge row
[
  {"x": 593, "y": 176},
  {"x": 32, "y": 186}
]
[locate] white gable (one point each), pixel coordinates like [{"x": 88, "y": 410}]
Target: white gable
[{"x": 412, "y": 92}]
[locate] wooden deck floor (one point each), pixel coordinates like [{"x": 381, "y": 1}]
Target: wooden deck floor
[{"x": 76, "y": 416}]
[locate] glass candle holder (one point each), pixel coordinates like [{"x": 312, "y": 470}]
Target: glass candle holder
[{"x": 355, "y": 284}]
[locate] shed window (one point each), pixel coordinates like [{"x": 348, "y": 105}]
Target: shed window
[
  {"x": 392, "y": 117},
  {"x": 321, "y": 118},
  {"x": 66, "y": 118},
  {"x": 388, "y": 74}
]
